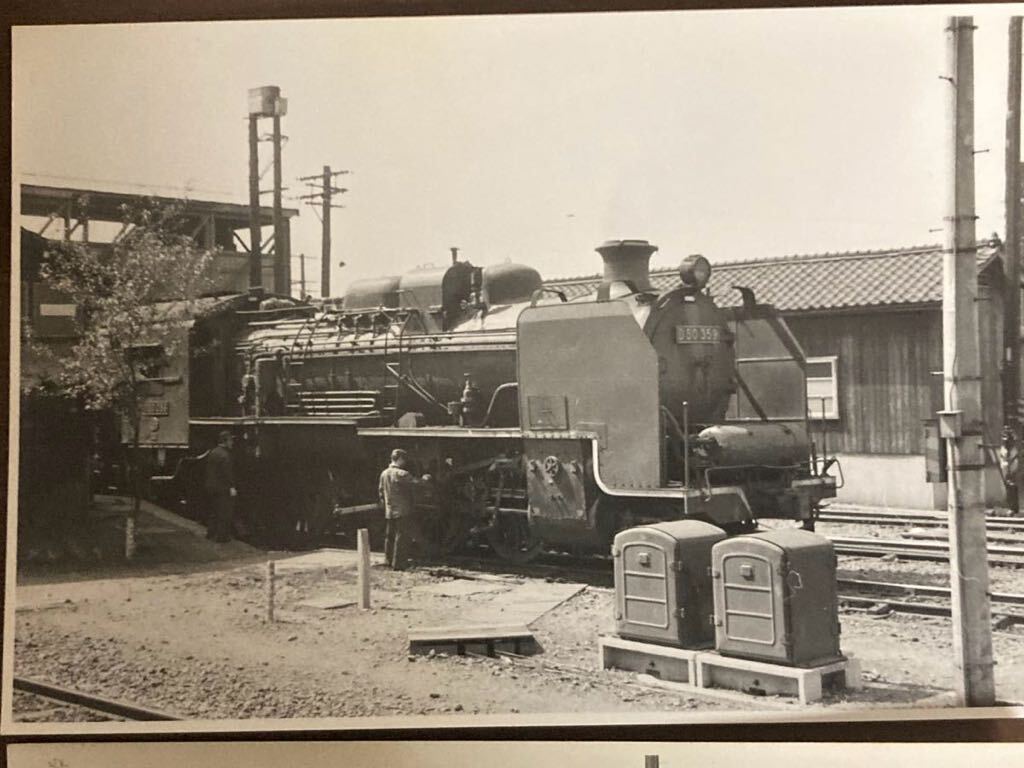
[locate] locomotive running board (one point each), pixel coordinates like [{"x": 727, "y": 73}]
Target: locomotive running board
[{"x": 461, "y": 432}]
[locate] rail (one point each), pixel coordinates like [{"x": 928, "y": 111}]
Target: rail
[{"x": 90, "y": 701}]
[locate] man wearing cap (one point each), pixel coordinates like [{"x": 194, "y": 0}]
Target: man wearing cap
[
  {"x": 220, "y": 485},
  {"x": 396, "y": 495}
]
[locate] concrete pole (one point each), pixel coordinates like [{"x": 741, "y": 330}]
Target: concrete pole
[
  {"x": 325, "y": 247},
  {"x": 1012, "y": 433},
  {"x": 282, "y": 273},
  {"x": 255, "y": 235},
  {"x": 962, "y": 422}
]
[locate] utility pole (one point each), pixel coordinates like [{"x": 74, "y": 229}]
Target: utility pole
[
  {"x": 1013, "y": 435},
  {"x": 324, "y": 195},
  {"x": 961, "y": 422}
]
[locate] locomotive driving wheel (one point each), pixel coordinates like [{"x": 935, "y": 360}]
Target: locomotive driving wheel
[{"x": 511, "y": 538}]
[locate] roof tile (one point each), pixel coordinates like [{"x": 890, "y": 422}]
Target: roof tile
[{"x": 818, "y": 282}]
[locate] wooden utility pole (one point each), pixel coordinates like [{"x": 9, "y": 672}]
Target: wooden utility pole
[
  {"x": 325, "y": 242},
  {"x": 961, "y": 421},
  {"x": 1013, "y": 435},
  {"x": 255, "y": 226},
  {"x": 325, "y": 195}
]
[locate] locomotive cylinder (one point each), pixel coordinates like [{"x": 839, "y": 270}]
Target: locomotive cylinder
[{"x": 754, "y": 444}]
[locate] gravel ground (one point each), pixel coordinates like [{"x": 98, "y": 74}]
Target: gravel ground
[{"x": 196, "y": 645}]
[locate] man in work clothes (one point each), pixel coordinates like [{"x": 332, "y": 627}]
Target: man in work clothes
[
  {"x": 220, "y": 485},
  {"x": 396, "y": 496}
]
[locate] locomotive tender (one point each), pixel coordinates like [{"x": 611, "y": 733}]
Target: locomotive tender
[{"x": 542, "y": 421}]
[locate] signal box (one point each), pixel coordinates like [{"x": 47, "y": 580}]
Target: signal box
[
  {"x": 776, "y": 598},
  {"x": 663, "y": 591}
]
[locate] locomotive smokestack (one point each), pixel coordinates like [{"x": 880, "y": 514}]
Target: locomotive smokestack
[{"x": 627, "y": 260}]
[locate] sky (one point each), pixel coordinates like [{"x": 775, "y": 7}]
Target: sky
[{"x": 738, "y": 134}]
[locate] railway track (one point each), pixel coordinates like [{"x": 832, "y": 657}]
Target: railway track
[
  {"x": 908, "y": 517},
  {"x": 111, "y": 709},
  {"x": 931, "y": 551}
]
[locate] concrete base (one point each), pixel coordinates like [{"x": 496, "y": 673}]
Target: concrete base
[
  {"x": 676, "y": 665},
  {"x": 764, "y": 679},
  {"x": 707, "y": 669}
]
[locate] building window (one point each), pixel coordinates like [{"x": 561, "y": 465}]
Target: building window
[{"x": 822, "y": 387}]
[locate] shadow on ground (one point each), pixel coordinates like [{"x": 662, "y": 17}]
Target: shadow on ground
[{"x": 90, "y": 545}]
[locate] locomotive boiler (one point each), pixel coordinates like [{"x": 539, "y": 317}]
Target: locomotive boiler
[{"x": 543, "y": 421}]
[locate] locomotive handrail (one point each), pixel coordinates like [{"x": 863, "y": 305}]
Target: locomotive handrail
[
  {"x": 652, "y": 493},
  {"x": 494, "y": 396},
  {"x": 535, "y": 297}
]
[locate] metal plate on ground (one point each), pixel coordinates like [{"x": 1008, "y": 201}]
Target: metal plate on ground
[
  {"x": 461, "y": 588},
  {"x": 522, "y": 605}
]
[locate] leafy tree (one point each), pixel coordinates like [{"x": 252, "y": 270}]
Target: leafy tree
[{"x": 134, "y": 298}]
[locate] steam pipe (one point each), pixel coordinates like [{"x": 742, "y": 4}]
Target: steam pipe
[{"x": 686, "y": 456}]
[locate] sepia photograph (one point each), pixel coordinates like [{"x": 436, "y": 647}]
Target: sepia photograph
[{"x": 541, "y": 369}]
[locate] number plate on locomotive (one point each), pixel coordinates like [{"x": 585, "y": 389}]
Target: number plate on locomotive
[{"x": 698, "y": 334}]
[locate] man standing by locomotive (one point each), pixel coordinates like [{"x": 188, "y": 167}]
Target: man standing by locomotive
[
  {"x": 220, "y": 485},
  {"x": 396, "y": 495}
]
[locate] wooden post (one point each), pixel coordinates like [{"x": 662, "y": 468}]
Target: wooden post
[
  {"x": 255, "y": 225},
  {"x": 1012, "y": 433},
  {"x": 363, "y": 545},
  {"x": 270, "y": 587},
  {"x": 961, "y": 421}
]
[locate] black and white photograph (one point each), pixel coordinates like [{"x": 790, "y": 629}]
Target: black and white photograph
[{"x": 523, "y": 369}]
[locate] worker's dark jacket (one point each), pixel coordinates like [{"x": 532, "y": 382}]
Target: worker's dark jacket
[
  {"x": 220, "y": 474},
  {"x": 396, "y": 492}
]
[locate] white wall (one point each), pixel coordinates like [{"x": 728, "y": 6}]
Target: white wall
[{"x": 899, "y": 481}]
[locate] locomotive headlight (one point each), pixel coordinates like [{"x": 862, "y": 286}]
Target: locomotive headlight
[{"x": 695, "y": 271}]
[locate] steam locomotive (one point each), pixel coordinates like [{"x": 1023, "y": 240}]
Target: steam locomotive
[{"x": 544, "y": 422}]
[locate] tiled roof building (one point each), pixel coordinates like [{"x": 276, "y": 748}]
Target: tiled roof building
[{"x": 809, "y": 283}]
